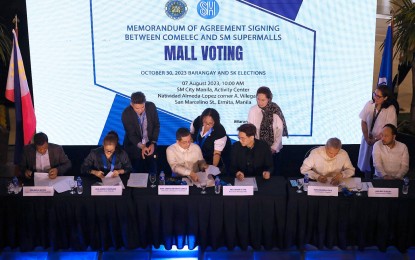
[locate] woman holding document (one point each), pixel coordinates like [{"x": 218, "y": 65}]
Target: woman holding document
[
  {"x": 210, "y": 135},
  {"x": 109, "y": 158}
]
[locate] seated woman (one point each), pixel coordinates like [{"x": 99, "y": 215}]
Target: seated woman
[
  {"x": 250, "y": 156},
  {"x": 210, "y": 135},
  {"x": 107, "y": 158}
]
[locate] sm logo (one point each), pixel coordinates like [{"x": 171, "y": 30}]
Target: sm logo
[{"x": 208, "y": 9}]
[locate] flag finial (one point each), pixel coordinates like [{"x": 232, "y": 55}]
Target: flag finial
[{"x": 16, "y": 22}]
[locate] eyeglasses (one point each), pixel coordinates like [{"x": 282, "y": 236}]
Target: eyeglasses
[{"x": 376, "y": 96}]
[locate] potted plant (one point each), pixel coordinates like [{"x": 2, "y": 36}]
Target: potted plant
[
  {"x": 5, "y": 46},
  {"x": 404, "y": 42},
  {"x": 404, "y": 39}
]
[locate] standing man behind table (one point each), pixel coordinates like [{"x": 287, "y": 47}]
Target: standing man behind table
[
  {"x": 390, "y": 157},
  {"x": 328, "y": 161},
  {"x": 184, "y": 157},
  {"x": 43, "y": 156},
  {"x": 142, "y": 128}
]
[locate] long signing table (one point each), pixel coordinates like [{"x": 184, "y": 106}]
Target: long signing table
[
  {"x": 141, "y": 218},
  {"x": 276, "y": 216}
]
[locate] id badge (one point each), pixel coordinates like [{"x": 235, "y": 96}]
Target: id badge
[{"x": 143, "y": 141}]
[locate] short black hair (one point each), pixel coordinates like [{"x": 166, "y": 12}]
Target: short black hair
[
  {"x": 393, "y": 128},
  {"x": 212, "y": 113},
  {"x": 40, "y": 139},
  {"x": 138, "y": 98},
  {"x": 182, "y": 132},
  {"x": 266, "y": 91},
  {"x": 248, "y": 129},
  {"x": 111, "y": 138}
]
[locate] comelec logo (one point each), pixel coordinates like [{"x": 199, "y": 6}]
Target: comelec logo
[
  {"x": 176, "y": 9},
  {"x": 208, "y": 9}
]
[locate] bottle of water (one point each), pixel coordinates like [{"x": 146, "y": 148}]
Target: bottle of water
[
  {"x": 15, "y": 182},
  {"x": 79, "y": 187},
  {"x": 162, "y": 180},
  {"x": 405, "y": 187},
  {"x": 217, "y": 185},
  {"x": 306, "y": 181}
]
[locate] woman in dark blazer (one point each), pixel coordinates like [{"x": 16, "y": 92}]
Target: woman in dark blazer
[{"x": 210, "y": 135}]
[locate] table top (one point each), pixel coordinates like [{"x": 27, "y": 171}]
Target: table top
[{"x": 275, "y": 186}]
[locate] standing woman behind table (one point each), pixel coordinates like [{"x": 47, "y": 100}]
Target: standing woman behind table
[
  {"x": 210, "y": 135},
  {"x": 270, "y": 124},
  {"x": 375, "y": 115},
  {"x": 109, "y": 157}
]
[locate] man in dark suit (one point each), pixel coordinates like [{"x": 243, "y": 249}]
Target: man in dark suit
[
  {"x": 42, "y": 156},
  {"x": 142, "y": 128}
]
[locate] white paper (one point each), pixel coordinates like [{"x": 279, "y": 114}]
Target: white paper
[
  {"x": 212, "y": 170},
  {"x": 112, "y": 182},
  {"x": 138, "y": 180},
  {"x": 60, "y": 183},
  {"x": 109, "y": 175},
  {"x": 41, "y": 179},
  {"x": 63, "y": 184},
  {"x": 210, "y": 182},
  {"x": 247, "y": 181},
  {"x": 350, "y": 183}
]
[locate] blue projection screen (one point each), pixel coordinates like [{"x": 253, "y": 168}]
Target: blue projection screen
[{"x": 316, "y": 56}]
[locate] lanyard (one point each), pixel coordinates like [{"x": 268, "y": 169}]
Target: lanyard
[
  {"x": 104, "y": 161},
  {"x": 200, "y": 143},
  {"x": 375, "y": 116},
  {"x": 141, "y": 123}
]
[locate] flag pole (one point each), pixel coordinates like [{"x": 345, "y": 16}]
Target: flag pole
[
  {"x": 395, "y": 89},
  {"x": 17, "y": 91}
]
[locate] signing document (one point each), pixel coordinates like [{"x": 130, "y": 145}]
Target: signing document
[
  {"x": 350, "y": 183},
  {"x": 247, "y": 181},
  {"x": 112, "y": 181},
  {"x": 138, "y": 180},
  {"x": 211, "y": 169},
  {"x": 60, "y": 183},
  {"x": 109, "y": 175},
  {"x": 204, "y": 176}
]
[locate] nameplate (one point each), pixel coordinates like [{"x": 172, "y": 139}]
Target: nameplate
[
  {"x": 106, "y": 190},
  {"x": 383, "y": 192},
  {"x": 238, "y": 190},
  {"x": 173, "y": 190},
  {"x": 38, "y": 191},
  {"x": 323, "y": 191}
]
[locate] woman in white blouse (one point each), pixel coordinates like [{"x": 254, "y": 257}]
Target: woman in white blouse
[{"x": 375, "y": 115}]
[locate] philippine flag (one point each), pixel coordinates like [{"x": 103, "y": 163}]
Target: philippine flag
[{"x": 17, "y": 91}]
